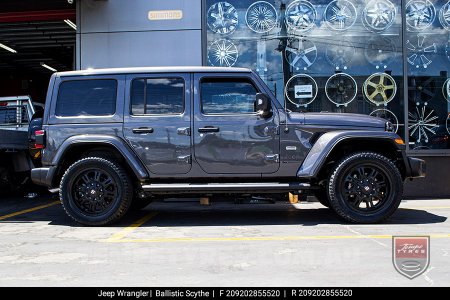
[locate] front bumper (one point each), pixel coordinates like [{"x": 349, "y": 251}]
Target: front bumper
[
  {"x": 417, "y": 168},
  {"x": 43, "y": 176}
]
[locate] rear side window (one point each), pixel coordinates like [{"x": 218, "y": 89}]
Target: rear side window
[
  {"x": 157, "y": 96},
  {"x": 94, "y": 97},
  {"x": 227, "y": 96}
]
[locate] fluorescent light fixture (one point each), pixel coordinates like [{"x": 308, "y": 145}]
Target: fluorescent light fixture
[
  {"x": 7, "y": 48},
  {"x": 48, "y": 67},
  {"x": 71, "y": 24}
]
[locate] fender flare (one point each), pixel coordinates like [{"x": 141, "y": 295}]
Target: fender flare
[
  {"x": 119, "y": 144},
  {"x": 328, "y": 141}
]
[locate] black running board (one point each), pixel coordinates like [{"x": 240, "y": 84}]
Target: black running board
[{"x": 221, "y": 188}]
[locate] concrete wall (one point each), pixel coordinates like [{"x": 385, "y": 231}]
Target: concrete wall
[{"x": 118, "y": 33}]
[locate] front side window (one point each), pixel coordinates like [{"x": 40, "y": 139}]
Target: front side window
[
  {"x": 227, "y": 96},
  {"x": 93, "y": 97},
  {"x": 157, "y": 96}
]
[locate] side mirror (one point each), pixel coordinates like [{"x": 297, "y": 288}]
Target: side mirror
[{"x": 263, "y": 105}]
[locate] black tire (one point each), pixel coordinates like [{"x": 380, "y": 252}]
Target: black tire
[
  {"x": 92, "y": 183},
  {"x": 365, "y": 177},
  {"x": 322, "y": 196}
]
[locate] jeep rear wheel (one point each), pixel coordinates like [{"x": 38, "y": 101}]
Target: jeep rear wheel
[
  {"x": 365, "y": 187},
  {"x": 95, "y": 191}
]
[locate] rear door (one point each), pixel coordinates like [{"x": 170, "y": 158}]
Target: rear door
[{"x": 157, "y": 124}]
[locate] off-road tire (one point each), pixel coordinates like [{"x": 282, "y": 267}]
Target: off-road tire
[
  {"x": 390, "y": 202},
  {"x": 118, "y": 207}
]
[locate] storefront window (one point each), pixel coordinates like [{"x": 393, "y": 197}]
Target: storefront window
[{"x": 344, "y": 56}]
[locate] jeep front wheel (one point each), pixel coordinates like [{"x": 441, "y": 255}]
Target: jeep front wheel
[
  {"x": 95, "y": 191},
  {"x": 365, "y": 187}
]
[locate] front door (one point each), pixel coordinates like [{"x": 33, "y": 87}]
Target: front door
[
  {"x": 158, "y": 123},
  {"x": 229, "y": 138}
]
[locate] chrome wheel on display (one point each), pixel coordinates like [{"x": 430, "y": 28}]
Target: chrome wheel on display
[
  {"x": 419, "y": 52},
  {"x": 340, "y": 14},
  {"x": 300, "y": 15},
  {"x": 261, "y": 17},
  {"x": 423, "y": 121},
  {"x": 447, "y": 124},
  {"x": 420, "y": 14},
  {"x": 301, "y": 53},
  {"x": 380, "y": 51},
  {"x": 222, "y": 18},
  {"x": 380, "y": 88},
  {"x": 341, "y": 89},
  {"x": 301, "y": 90},
  {"x": 379, "y": 15},
  {"x": 444, "y": 15},
  {"x": 387, "y": 115},
  {"x": 222, "y": 53},
  {"x": 340, "y": 55}
]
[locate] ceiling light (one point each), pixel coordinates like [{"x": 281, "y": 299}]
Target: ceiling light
[
  {"x": 48, "y": 67},
  {"x": 7, "y": 48},
  {"x": 71, "y": 24}
]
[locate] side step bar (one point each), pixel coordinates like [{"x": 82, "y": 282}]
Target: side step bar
[{"x": 225, "y": 188}]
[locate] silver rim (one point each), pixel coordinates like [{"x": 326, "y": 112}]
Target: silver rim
[
  {"x": 300, "y": 15},
  {"x": 444, "y": 15},
  {"x": 379, "y": 15},
  {"x": 340, "y": 55},
  {"x": 420, "y": 52},
  {"x": 340, "y": 15},
  {"x": 222, "y": 18},
  {"x": 261, "y": 17},
  {"x": 380, "y": 51},
  {"x": 222, "y": 53},
  {"x": 420, "y": 14},
  {"x": 422, "y": 123},
  {"x": 301, "y": 53}
]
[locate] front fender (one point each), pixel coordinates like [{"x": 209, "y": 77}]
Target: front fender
[
  {"x": 328, "y": 141},
  {"x": 120, "y": 145}
]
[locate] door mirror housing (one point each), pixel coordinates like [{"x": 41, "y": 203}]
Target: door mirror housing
[{"x": 263, "y": 105}]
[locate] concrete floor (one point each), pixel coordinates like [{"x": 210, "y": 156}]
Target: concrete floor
[{"x": 185, "y": 244}]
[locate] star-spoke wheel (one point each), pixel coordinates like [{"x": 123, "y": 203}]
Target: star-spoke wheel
[
  {"x": 300, "y": 15},
  {"x": 301, "y": 90},
  {"x": 387, "y": 115},
  {"x": 301, "y": 53},
  {"x": 341, "y": 89},
  {"x": 222, "y": 53},
  {"x": 419, "y": 52},
  {"x": 420, "y": 14},
  {"x": 222, "y": 18},
  {"x": 423, "y": 122},
  {"x": 340, "y": 15},
  {"x": 380, "y": 88},
  {"x": 379, "y": 15},
  {"x": 261, "y": 17}
]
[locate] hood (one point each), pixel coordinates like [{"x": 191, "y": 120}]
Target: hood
[{"x": 337, "y": 120}]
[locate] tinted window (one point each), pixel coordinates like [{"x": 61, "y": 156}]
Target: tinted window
[
  {"x": 227, "y": 96},
  {"x": 157, "y": 96},
  {"x": 87, "y": 98}
]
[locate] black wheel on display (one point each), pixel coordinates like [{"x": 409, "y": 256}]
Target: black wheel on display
[
  {"x": 365, "y": 187},
  {"x": 95, "y": 191},
  {"x": 322, "y": 196}
]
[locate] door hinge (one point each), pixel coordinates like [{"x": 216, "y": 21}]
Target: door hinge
[
  {"x": 184, "y": 159},
  {"x": 273, "y": 157},
  {"x": 184, "y": 131}
]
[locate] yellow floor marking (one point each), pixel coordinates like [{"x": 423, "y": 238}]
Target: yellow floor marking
[
  {"x": 121, "y": 234},
  {"x": 262, "y": 238},
  {"x": 28, "y": 210}
]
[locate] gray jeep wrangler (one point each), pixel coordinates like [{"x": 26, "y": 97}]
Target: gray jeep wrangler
[{"x": 118, "y": 138}]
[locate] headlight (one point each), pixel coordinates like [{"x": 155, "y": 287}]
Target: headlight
[{"x": 389, "y": 127}]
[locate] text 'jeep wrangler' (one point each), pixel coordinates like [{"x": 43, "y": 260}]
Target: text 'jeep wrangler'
[{"x": 118, "y": 138}]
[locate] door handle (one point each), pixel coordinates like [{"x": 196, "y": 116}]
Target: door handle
[
  {"x": 209, "y": 129},
  {"x": 142, "y": 130}
]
